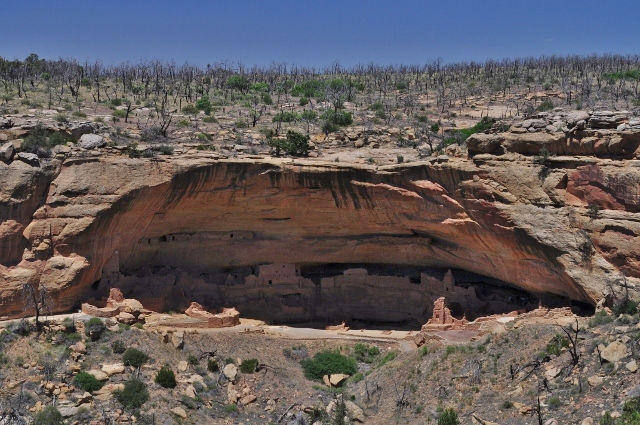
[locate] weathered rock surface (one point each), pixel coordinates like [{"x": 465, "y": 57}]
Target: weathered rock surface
[{"x": 94, "y": 223}]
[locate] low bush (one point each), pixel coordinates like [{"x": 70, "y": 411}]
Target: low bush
[
  {"x": 248, "y": 366},
  {"x": 134, "y": 357},
  {"x": 448, "y": 417},
  {"x": 600, "y": 318},
  {"x": 118, "y": 347},
  {"x": 193, "y": 360},
  {"x": 341, "y": 118},
  {"x": 94, "y": 327},
  {"x": 365, "y": 353},
  {"x": 166, "y": 378},
  {"x": 87, "y": 382},
  {"x": 134, "y": 394},
  {"x": 212, "y": 366},
  {"x": 50, "y": 415},
  {"x": 327, "y": 363}
]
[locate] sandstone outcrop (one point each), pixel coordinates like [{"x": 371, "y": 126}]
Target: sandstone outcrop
[
  {"x": 193, "y": 227},
  {"x": 228, "y": 316}
]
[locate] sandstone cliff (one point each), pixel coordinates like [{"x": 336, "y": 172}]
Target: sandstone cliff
[{"x": 567, "y": 227}]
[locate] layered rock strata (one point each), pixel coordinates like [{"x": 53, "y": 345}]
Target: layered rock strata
[{"x": 568, "y": 226}]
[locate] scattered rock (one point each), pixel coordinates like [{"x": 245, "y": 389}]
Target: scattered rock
[
  {"x": 230, "y": 372},
  {"x": 248, "y": 399},
  {"x": 98, "y": 374},
  {"x": 552, "y": 372},
  {"x": 337, "y": 379},
  {"x": 190, "y": 391},
  {"x": 587, "y": 421},
  {"x": 180, "y": 412},
  {"x": 29, "y": 158},
  {"x": 595, "y": 380},
  {"x": 183, "y": 366},
  {"x": 354, "y": 411},
  {"x": 91, "y": 141},
  {"x": 6, "y": 152},
  {"x": 113, "y": 369},
  {"x": 614, "y": 352},
  {"x": 177, "y": 338},
  {"x": 632, "y": 366}
]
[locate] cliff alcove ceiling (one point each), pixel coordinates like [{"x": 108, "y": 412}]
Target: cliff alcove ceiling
[{"x": 145, "y": 225}]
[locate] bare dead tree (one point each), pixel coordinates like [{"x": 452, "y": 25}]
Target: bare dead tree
[
  {"x": 38, "y": 300},
  {"x": 572, "y": 333}
]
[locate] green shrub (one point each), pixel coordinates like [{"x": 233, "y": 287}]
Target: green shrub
[
  {"x": 50, "y": 415},
  {"x": 248, "y": 366},
  {"x": 193, "y": 360},
  {"x": 304, "y": 101},
  {"x": 241, "y": 123},
  {"x": 118, "y": 347},
  {"x": 61, "y": 118},
  {"x": 554, "y": 402},
  {"x": 57, "y": 138},
  {"x": 210, "y": 119},
  {"x": 116, "y": 102},
  {"x": 365, "y": 354},
  {"x": 546, "y": 105},
  {"x": 94, "y": 326},
  {"x": 231, "y": 408},
  {"x": 87, "y": 382},
  {"x": 600, "y": 318},
  {"x": 448, "y": 417},
  {"x": 627, "y": 306},
  {"x": 166, "y": 378},
  {"x": 327, "y": 363},
  {"x": 69, "y": 325},
  {"x": 285, "y": 116},
  {"x": 165, "y": 149},
  {"x": 119, "y": 113},
  {"x": 391, "y": 355},
  {"x": 212, "y": 366},
  {"x": 341, "y": 118},
  {"x": 329, "y": 127},
  {"x": 79, "y": 114},
  {"x": 607, "y": 419},
  {"x": 507, "y": 404},
  {"x": 134, "y": 394},
  {"x": 189, "y": 110},
  {"x": 203, "y": 104},
  {"x": 37, "y": 141},
  {"x": 134, "y": 357}
]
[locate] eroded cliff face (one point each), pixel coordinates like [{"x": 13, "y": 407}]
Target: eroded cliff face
[{"x": 78, "y": 227}]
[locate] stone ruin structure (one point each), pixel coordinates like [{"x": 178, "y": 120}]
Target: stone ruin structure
[
  {"x": 130, "y": 311},
  {"x": 443, "y": 320}
]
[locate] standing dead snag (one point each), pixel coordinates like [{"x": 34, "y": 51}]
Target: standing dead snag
[
  {"x": 39, "y": 300},
  {"x": 572, "y": 333}
]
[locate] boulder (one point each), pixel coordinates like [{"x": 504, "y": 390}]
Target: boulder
[
  {"x": 91, "y": 141},
  {"x": 230, "y": 372},
  {"x": 354, "y": 411},
  {"x": 595, "y": 380},
  {"x": 248, "y": 399},
  {"x": 177, "y": 339},
  {"x": 180, "y": 412},
  {"x": 574, "y": 116},
  {"x": 112, "y": 369},
  {"x": 29, "y": 158},
  {"x": 614, "y": 352},
  {"x": 98, "y": 374},
  {"x": 337, "y": 379},
  {"x": 6, "y": 152},
  {"x": 190, "y": 391},
  {"x": 232, "y": 394},
  {"x": 182, "y": 366},
  {"x": 632, "y": 366}
]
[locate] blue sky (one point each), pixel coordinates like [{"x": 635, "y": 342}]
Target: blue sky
[{"x": 316, "y": 33}]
